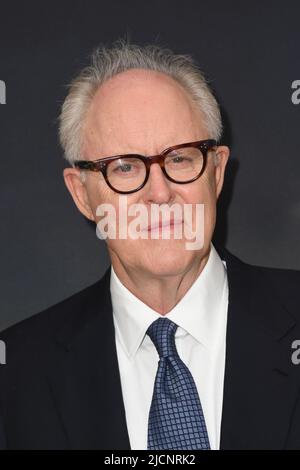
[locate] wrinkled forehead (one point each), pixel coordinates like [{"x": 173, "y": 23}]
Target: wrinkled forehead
[{"x": 139, "y": 111}]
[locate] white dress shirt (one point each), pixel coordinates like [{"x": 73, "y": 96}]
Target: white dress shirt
[{"x": 201, "y": 316}]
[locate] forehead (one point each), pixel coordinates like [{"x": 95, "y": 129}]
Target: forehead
[{"x": 138, "y": 110}]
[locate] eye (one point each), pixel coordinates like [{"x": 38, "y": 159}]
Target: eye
[
  {"x": 179, "y": 159},
  {"x": 124, "y": 168}
]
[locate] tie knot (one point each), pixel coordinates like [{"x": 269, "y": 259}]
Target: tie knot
[{"x": 162, "y": 333}]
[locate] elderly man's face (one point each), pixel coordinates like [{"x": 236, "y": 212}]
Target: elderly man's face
[{"x": 145, "y": 112}]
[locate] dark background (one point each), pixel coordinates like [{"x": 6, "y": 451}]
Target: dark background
[{"x": 250, "y": 53}]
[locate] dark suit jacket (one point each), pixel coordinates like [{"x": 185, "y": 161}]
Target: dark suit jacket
[{"x": 61, "y": 388}]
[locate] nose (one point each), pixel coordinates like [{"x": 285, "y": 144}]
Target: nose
[{"x": 157, "y": 188}]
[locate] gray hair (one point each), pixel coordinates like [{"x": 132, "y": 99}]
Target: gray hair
[{"x": 108, "y": 62}]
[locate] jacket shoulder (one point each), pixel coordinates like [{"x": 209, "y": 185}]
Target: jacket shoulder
[
  {"x": 282, "y": 283},
  {"x": 40, "y": 327},
  {"x": 285, "y": 285}
]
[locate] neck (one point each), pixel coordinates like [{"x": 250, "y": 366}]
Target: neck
[{"x": 159, "y": 293}]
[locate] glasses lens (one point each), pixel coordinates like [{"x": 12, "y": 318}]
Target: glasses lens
[
  {"x": 126, "y": 174},
  {"x": 184, "y": 164}
]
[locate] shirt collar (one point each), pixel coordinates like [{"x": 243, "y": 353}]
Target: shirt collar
[{"x": 196, "y": 313}]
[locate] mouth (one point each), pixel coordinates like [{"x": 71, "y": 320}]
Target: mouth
[{"x": 162, "y": 225}]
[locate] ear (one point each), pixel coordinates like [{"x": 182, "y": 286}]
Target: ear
[
  {"x": 222, "y": 155},
  {"x": 78, "y": 191}
]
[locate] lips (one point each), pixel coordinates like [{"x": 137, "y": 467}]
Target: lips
[{"x": 160, "y": 225}]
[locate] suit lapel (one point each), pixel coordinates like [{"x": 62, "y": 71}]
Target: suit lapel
[
  {"x": 85, "y": 383},
  {"x": 259, "y": 390}
]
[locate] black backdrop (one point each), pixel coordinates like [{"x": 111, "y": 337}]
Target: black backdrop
[{"x": 249, "y": 51}]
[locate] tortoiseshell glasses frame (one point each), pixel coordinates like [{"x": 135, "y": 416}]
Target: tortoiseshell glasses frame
[{"x": 102, "y": 164}]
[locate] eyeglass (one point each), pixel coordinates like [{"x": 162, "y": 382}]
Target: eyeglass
[{"x": 128, "y": 173}]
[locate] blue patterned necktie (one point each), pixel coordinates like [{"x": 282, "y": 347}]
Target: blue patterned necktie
[{"x": 176, "y": 419}]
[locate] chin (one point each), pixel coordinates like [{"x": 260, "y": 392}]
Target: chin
[{"x": 167, "y": 263}]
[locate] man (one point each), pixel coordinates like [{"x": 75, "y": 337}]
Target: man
[{"x": 174, "y": 348}]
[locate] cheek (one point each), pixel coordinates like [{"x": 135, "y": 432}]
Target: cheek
[
  {"x": 112, "y": 208},
  {"x": 200, "y": 191},
  {"x": 98, "y": 194},
  {"x": 208, "y": 188}
]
